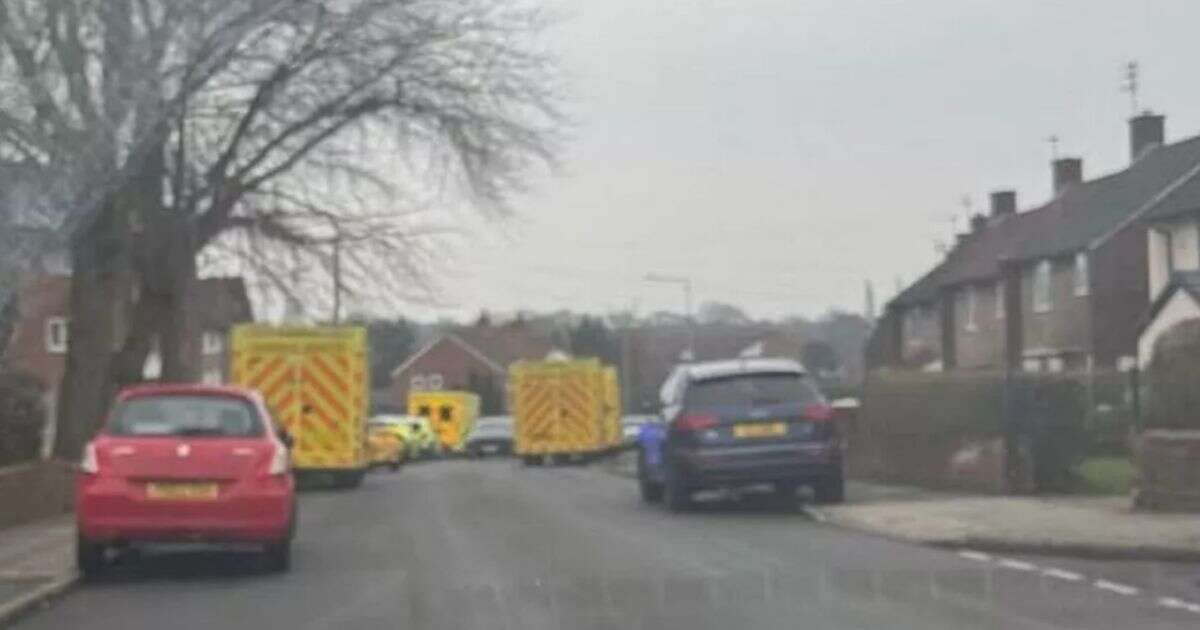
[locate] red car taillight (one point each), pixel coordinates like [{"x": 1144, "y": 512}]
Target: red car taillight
[
  {"x": 695, "y": 422},
  {"x": 89, "y": 464},
  {"x": 280, "y": 461}
]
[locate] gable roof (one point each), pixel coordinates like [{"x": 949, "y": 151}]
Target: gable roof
[
  {"x": 1183, "y": 199},
  {"x": 1165, "y": 182},
  {"x": 1187, "y": 281},
  {"x": 924, "y": 290},
  {"x": 496, "y": 347},
  {"x": 1088, "y": 213}
]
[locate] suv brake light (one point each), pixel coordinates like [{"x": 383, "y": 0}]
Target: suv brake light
[
  {"x": 89, "y": 464},
  {"x": 695, "y": 422},
  {"x": 818, "y": 413}
]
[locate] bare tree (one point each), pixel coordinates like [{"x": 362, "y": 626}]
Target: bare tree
[{"x": 273, "y": 131}]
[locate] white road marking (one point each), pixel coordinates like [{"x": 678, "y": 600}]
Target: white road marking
[
  {"x": 1116, "y": 587},
  {"x": 1019, "y": 565},
  {"x": 1061, "y": 574},
  {"x": 1175, "y": 603},
  {"x": 977, "y": 556}
]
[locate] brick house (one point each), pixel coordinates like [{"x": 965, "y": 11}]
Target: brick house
[
  {"x": 652, "y": 352},
  {"x": 470, "y": 358},
  {"x": 1061, "y": 286},
  {"x": 38, "y": 341},
  {"x": 1173, "y": 264},
  {"x": 225, "y": 303}
]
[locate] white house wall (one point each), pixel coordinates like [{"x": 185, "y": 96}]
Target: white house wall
[
  {"x": 1180, "y": 307},
  {"x": 1184, "y": 251}
]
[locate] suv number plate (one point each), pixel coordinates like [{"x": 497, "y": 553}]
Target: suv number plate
[{"x": 759, "y": 429}]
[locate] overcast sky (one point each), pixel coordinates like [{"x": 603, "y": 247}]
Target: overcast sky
[{"x": 747, "y": 143}]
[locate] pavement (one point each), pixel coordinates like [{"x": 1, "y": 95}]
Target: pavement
[
  {"x": 491, "y": 545},
  {"x": 1083, "y": 527},
  {"x": 37, "y": 562}
]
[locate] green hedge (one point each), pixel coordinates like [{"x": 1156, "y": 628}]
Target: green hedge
[
  {"x": 1043, "y": 418},
  {"x": 1172, "y": 392},
  {"x": 22, "y": 417}
]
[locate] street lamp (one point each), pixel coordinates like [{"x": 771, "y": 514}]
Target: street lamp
[{"x": 686, "y": 283}]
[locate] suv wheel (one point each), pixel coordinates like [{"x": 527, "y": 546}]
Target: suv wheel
[
  {"x": 89, "y": 556},
  {"x": 651, "y": 492},
  {"x": 831, "y": 490},
  {"x": 676, "y": 492}
]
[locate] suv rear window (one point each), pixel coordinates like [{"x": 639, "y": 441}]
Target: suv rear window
[
  {"x": 746, "y": 390},
  {"x": 199, "y": 416}
]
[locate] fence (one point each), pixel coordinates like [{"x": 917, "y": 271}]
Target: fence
[{"x": 988, "y": 431}]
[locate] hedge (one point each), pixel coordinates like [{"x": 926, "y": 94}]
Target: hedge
[{"x": 22, "y": 417}]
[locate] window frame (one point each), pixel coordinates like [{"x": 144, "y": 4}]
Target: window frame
[
  {"x": 1042, "y": 287},
  {"x": 972, "y": 308},
  {"x": 212, "y": 342},
  {"x": 57, "y": 323},
  {"x": 1082, "y": 277}
]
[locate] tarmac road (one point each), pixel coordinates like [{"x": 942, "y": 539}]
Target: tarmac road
[{"x": 491, "y": 545}]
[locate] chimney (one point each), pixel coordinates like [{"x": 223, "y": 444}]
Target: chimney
[
  {"x": 1004, "y": 203},
  {"x": 1067, "y": 173},
  {"x": 1146, "y": 131},
  {"x": 978, "y": 222}
]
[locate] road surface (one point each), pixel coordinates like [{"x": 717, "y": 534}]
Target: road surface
[{"x": 465, "y": 545}]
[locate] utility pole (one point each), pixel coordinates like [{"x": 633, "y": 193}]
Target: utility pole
[
  {"x": 686, "y": 283},
  {"x": 337, "y": 279}
]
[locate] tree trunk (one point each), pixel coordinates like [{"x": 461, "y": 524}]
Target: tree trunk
[{"x": 100, "y": 277}]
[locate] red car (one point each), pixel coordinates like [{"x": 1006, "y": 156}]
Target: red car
[{"x": 186, "y": 463}]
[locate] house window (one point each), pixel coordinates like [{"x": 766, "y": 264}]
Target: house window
[
  {"x": 57, "y": 332},
  {"x": 212, "y": 376},
  {"x": 972, "y": 308},
  {"x": 1041, "y": 287},
  {"x": 1000, "y": 300},
  {"x": 213, "y": 342},
  {"x": 1081, "y": 274}
]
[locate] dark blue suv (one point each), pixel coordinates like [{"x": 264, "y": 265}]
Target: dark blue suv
[{"x": 738, "y": 423}]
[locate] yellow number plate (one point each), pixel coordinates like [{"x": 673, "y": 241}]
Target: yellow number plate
[
  {"x": 181, "y": 491},
  {"x": 759, "y": 429}
]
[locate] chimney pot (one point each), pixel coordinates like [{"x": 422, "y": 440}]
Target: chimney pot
[
  {"x": 1146, "y": 131},
  {"x": 978, "y": 223},
  {"x": 1067, "y": 172},
  {"x": 1004, "y": 203}
]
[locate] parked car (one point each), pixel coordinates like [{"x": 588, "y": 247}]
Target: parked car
[
  {"x": 387, "y": 442},
  {"x": 492, "y": 435},
  {"x": 631, "y": 426},
  {"x": 737, "y": 423},
  {"x": 186, "y": 464},
  {"x": 423, "y": 436}
]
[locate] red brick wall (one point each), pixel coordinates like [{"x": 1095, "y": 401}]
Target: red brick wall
[
  {"x": 448, "y": 359},
  {"x": 1067, "y": 325},
  {"x": 41, "y": 298},
  {"x": 1168, "y": 464},
  {"x": 37, "y": 490},
  {"x": 983, "y": 346},
  {"x": 1120, "y": 294}
]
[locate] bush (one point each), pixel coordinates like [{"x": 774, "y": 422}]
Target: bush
[
  {"x": 22, "y": 417},
  {"x": 1173, "y": 396},
  {"x": 1042, "y": 418}
]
